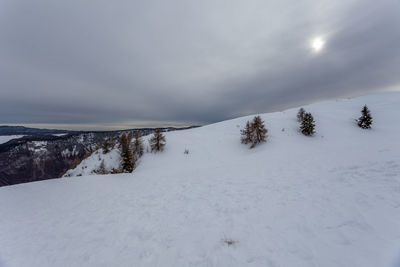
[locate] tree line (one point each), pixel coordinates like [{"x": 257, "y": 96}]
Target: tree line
[{"x": 131, "y": 151}]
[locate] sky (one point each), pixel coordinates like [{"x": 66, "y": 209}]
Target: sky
[{"x": 101, "y": 64}]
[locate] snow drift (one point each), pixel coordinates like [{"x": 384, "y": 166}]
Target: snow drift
[{"x": 328, "y": 200}]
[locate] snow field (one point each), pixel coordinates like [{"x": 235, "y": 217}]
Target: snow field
[{"x": 328, "y": 200}]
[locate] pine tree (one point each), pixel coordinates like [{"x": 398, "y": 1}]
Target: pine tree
[
  {"x": 157, "y": 141},
  {"x": 365, "y": 120},
  {"x": 127, "y": 162},
  {"x": 129, "y": 137},
  {"x": 307, "y": 126},
  {"x": 246, "y": 133},
  {"x": 105, "y": 146},
  {"x": 137, "y": 149},
  {"x": 112, "y": 142},
  {"x": 259, "y": 131},
  {"x": 300, "y": 114},
  {"x": 254, "y": 132}
]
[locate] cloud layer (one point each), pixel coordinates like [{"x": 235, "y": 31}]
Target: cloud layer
[{"x": 77, "y": 61}]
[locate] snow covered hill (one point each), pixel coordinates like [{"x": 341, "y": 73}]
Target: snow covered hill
[
  {"x": 328, "y": 200},
  {"x": 6, "y": 138},
  {"x": 90, "y": 165}
]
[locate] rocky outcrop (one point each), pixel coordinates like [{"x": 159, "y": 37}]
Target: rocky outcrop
[{"x": 41, "y": 157}]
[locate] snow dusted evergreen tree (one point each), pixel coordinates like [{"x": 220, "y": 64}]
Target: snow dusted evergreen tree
[
  {"x": 246, "y": 133},
  {"x": 300, "y": 114},
  {"x": 129, "y": 138},
  {"x": 307, "y": 126},
  {"x": 112, "y": 142},
  {"x": 127, "y": 162},
  {"x": 254, "y": 132},
  {"x": 105, "y": 146},
  {"x": 137, "y": 149},
  {"x": 365, "y": 120},
  {"x": 157, "y": 141},
  {"x": 260, "y": 133}
]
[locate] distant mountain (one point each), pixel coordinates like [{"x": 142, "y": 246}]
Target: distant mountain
[
  {"x": 25, "y": 130},
  {"x": 6, "y": 130}
]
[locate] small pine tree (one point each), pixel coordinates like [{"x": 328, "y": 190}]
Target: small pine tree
[
  {"x": 259, "y": 131},
  {"x": 127, "y": 162},
  {"x": 105, "y": 146},
  {"x": 365, "y": 120},
  {"x": 137, "y": 149},
  {"x": 157, "y": 141},
  {"x": 254, "y": 132},
  {"x": 307, "y": 126},
  {"x": 112, "y": 142},
  {"x": 247, "y": 134},
  {"x": 129, "y": 136},
  {"x": 300, "y": 114}
]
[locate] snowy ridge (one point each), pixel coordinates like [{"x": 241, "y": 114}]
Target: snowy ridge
[
  {"x": 90, "y": 165},
  {"x": 112, "y": 160},
  {"x": 328, "y": 200},
  {"x": 6, "y": 138}
]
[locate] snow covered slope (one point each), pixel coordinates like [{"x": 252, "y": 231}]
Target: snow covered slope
[
  {"x": 6, "y": 138},
  {"x": 90, "y": 165},
  {"x": 112, "y": 160},
  {"x": 328, "y": 200}
]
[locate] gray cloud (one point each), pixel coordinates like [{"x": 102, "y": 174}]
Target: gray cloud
[{"x": 74, "y": 62}]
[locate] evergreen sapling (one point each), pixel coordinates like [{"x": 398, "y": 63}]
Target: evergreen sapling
[
  {"x": 307, "y": 126},
  {"x": 300, "y": 114},
  {"x": 157, "y": 141},
  {"x": 127, "y": 161},
  {"x": 365, "y": 120}
]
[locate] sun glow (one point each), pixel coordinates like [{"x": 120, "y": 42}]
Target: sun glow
[{"x": 317, "y": 44}]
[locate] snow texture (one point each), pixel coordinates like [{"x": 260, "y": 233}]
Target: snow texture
[{"x": 328, "y": 200}]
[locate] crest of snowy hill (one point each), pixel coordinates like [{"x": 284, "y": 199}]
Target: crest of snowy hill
[
  {"x": 91, "y": 165},
  {"x": 112, "y": 161},
  {"x": 6, "y": 138},
  {"x": 328, "y": 200}
]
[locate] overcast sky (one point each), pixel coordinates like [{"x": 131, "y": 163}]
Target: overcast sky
[{"x": 124, "y": 63}]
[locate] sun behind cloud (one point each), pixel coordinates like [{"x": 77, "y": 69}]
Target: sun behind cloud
[{"x": 317, "y": 44}]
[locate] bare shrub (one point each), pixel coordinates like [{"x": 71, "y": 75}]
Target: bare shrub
[{"x": 229, "y": 241}]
